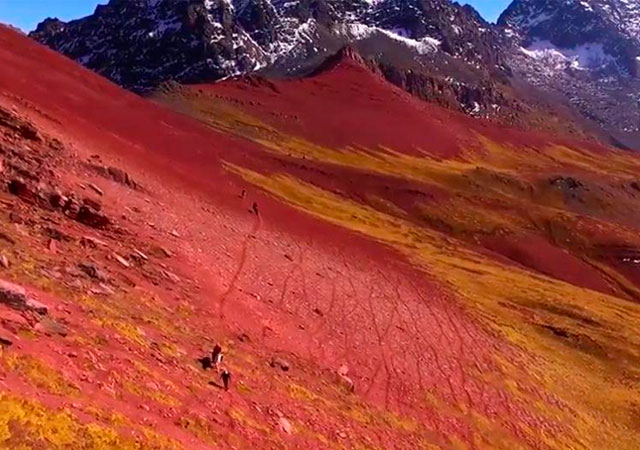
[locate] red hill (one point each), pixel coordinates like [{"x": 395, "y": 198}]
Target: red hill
[{"x": 381, "y": 273}]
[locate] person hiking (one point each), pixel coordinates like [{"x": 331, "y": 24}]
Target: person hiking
[
  {"x": 226, "y": 379},
  {"x": 216, "y": 356},
  {"x": 217, "y": 349}
]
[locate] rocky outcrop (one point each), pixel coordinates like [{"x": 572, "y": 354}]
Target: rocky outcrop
[
  {"x": 16, "y": 297},
  {"x": 140, "y": 45},
  {"x": 585, "y": 51},
  {"x": 577, "y": 59}
]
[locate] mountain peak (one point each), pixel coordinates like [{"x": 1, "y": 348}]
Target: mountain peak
[
  {"x": 347, "y": 56},
  {"x": 540, "y": 51}
]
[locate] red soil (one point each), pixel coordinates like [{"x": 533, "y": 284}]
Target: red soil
[
  {"x": 378, "y": 114},
  {"x": 295, "y": 285}
]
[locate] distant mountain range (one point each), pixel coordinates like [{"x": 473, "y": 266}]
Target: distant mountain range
[{"x": 566, "y": 66}]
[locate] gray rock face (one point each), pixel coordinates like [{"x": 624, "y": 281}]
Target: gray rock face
[
  {"x": 581, "y": 55},
  {"x": 588, "y": 51},
  {"x": 16, "y": 297},
  {"x": 142, "y": 43}
]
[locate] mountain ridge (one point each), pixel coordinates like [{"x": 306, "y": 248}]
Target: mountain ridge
[
  {"x": 515, "y": 72},
  {"x": 380, "y": 271}
]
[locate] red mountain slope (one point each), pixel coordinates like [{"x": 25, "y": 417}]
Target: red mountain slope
[{"x": 472, "y": 284}]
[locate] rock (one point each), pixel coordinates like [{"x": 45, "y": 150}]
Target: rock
[
  {"x": 565, "y": 183},
  {"x": 244, "y": 337},
  {"x": 5, "y": 237},
  {"x": 92, "y": 218},
  {"x": 115, "y": 174},
  {"x": 122, "y": 177},
  {"x": 19, "y": 188},
  {"x": 71, "y": 207},
  {"x": 4, "y": 261},
  {"x": 285, "y": 425},
  {"x": 138, "y": 254},
  {"x": 174, "y": 233},
  {"x": 121, "y": 260},
  {"x": 280, "y": 363},
  {"x": 19, "y": 125},
  {"x": 171, "y": 276},
  {"x": 16, "y": 217},
  {"x": 93, "y": 271},
  {"x": 92, "y": 203},
  {"x": 13, "y": 295},
  {"x": 96, "y": 189},
  {"x": 53, "y": 274},
  {"x": 50, "y": 327},
  {"x": 58, "y": 235},
  {"x": 89, "y": 241},
  {"x": 347, "y": 383},
  {"x": 40, "y": 308},
  {"x": 13, "y": 321},
  {"x": 56, "y": 199},
  {"x": 76, "y": 284},
  {"x": 5, "y": 342},
  {"x": 102, "y": 289},
  {"x": 52, "y": 246}
]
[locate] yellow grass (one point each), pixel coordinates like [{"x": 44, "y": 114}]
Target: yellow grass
[{"x": 599, "y": 390}]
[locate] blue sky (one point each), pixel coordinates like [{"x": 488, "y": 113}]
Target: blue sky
[{"x": 26, "y": 14}]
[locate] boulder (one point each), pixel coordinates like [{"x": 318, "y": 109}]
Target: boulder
[
  {"x": 56, "y": 199},
  {"x": 71, "y": 207},
  {"x": 116, "y": 174},
  {"x": 93, "y": 271},
  {"x": 16, "y": 297},
  {"x": 50, "y": 327},
  {"x": 96, "y": 189},
  {"x": 92, "y": 203},
  {"x": 279, "y": 363},
  {"x": 19, "y": 188},
  {"x": 6, "y": 342},
  {"x": 90, "y": 241},
  {"x": 102, "y": 289},
  {"x": 13, "y": 295},
  {"x": 5, "y": 237},
  {"x": 58, "y": 235},
  {"x": 92, "y": 218}
]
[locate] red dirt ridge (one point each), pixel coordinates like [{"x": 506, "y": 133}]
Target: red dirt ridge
[{"x": 359, "y": 254}]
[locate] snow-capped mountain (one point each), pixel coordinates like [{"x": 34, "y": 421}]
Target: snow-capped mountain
[
  {"x": 590, "y": 34},
  {"x": 141, "y": 43},
  {"x": 586, "y": 50},
  {"x": 575, "y": 60}
]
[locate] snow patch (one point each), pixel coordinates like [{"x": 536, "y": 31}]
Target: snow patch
[
  {"x": 359, "y": 31},
  {"x": 585, "y": 56}
]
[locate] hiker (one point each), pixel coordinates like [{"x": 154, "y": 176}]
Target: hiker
[
  {"x": 226, "y": 379},
  {"x": 216, "y": 356}
]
